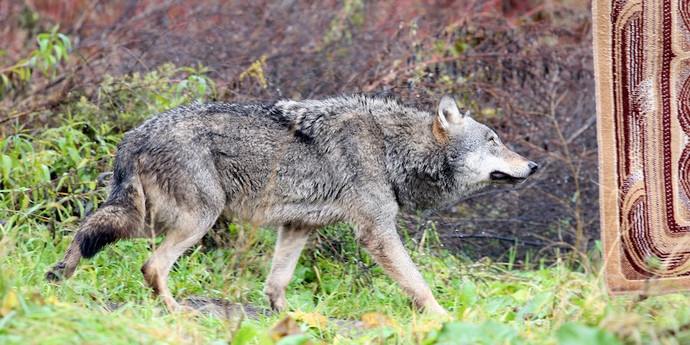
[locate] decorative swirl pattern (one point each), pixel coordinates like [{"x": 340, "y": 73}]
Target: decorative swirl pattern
[
  {"x": 644, "y": 116},
  {"x": 684, "y": 119},
  {"x": 684, "y": 171},
  {"x": 684, "y": 102},
  {"x": 684, "y": 8}
]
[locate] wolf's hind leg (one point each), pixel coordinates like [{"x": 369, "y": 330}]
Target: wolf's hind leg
[
  {"x": 289, "y": 245},
  {"x": 188, "y": 230}
]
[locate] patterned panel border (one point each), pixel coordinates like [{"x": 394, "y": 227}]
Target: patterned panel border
[{"x": 642, "y": 67}]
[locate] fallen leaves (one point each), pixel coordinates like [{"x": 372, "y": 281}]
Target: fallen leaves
[
  {"x": 376, "y": 320},
  {"x": 9, "y": 302},
  {"x": 314, "y": 320},
  {"x": 286, "y": 327},
  {"x": 291, "y": 329}
]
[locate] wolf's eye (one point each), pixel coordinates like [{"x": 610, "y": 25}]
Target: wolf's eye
[{"x": 493, "y": 140}]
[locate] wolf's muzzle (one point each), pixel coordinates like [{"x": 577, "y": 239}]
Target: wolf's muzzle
[{"x": 499, "y": 176}]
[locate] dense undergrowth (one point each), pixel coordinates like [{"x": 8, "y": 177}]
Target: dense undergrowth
[
  {"x": 522, "y": 67},
  {"x": 50, "y": 180}
]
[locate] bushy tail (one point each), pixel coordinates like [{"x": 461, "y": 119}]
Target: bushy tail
[{"x": 119, "y": 217}]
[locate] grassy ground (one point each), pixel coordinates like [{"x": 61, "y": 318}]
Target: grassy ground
[
  {"x": 489, "y": 303},
  {"x": 48, "y": 182}
]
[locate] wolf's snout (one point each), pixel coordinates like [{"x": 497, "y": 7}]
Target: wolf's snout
[
  {"x": 514, "y": 176},
  {"x": 499, "y": 176}
]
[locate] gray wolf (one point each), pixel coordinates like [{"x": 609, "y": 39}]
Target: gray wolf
[{"x": 296, "y": 165}]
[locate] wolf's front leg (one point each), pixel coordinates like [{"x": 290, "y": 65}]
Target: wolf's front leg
[{"x": 385, "y": 247}]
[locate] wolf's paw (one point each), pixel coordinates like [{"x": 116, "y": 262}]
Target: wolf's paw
[
  {"x": 276, "y": 298},
  {"x": 57, "y": 273},
  {"x": 278, "y": 304},
  {"x": 438, "y": 310},
  {"x": 432, "y": 307},
  {"x": 173, "y": 307}
]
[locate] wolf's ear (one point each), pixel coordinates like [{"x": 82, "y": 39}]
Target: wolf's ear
[{"x": 448, "y": 116}]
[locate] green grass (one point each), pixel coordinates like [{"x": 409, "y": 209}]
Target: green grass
[
  {"x": 48, "y": 183},
  {"x": 489, "y": 304}
]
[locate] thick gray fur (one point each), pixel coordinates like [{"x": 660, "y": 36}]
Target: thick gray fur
[{"x": 297, "y": 165}]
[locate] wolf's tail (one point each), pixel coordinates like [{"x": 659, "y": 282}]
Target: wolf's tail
[{"x": 120, "y": 216}]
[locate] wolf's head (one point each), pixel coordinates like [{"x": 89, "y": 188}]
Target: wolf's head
[{"x": 475, "y": 151}]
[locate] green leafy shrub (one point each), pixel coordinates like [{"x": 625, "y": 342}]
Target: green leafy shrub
[
  {"x": 124, "y": 102},
  {"x": 52, "y": 173},
  {"x": 53, "y": 48}
]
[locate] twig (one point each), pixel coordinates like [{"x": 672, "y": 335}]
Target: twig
[{"x": 494, "y": 237}]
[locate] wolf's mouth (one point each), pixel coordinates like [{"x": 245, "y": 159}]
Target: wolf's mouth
[{"x": 499, "y": 176}]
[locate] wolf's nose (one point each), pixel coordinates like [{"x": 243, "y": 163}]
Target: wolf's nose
[{"x": 533, "y": 167}]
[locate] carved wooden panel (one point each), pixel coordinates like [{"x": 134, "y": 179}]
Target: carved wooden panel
[{"x": 642, "y": 65}]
